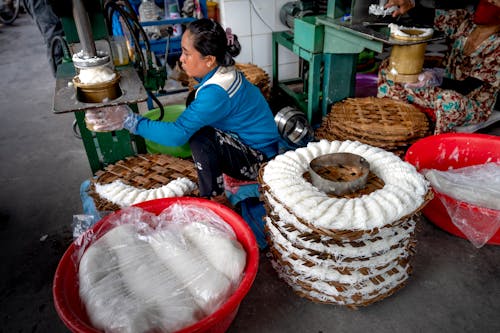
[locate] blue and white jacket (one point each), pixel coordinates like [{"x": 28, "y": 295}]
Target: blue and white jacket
[{"x": 225, "y": 100}]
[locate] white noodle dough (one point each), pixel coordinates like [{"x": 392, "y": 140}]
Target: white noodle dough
[
  {"x": 141, "y": 294},
  {"x": 224, "y": 253},
  {"x": 125, "y": 195},
  {"x": 93, "y": 75},
  {"x": 209, "y": 287},
  {"x": 403, "y": 193}
]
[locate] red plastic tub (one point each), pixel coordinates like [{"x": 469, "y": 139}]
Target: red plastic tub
[
  {"x": 65, "y": 288},
  {"x": 453, "y": 150}
]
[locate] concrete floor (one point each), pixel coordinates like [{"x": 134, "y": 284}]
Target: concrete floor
[{"x": 455, "y": 287}]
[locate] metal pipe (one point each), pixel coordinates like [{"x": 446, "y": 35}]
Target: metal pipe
[{"x": 84, "y": 29}]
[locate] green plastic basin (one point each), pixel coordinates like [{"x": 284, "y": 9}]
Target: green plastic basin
[{"x": 172, "y": 112}]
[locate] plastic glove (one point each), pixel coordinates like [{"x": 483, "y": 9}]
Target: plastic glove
[
  {"x": 111, "y": 118},
  {"x": 430, "y": 77},
  {"x": 403, "y": 6}
]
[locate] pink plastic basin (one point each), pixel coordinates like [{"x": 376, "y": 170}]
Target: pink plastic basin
[
  {"x": 454, "y": 150},
  {"x": 65, "y": 288}
]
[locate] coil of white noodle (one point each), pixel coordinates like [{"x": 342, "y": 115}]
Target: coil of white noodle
[
  {"x": 403, "y": 193},
  {"x": 125, "y": 195},
  {"x": 306, "y": 227}
]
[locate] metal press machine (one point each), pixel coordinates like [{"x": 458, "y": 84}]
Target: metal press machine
[{"x": 88, "y": 27}]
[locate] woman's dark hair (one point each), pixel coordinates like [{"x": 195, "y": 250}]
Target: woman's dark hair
[{"x": 210, "y": 39}]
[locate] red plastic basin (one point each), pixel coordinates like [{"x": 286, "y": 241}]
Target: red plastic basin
[
  {"x": 65, "y": 287},
  {"x": 453, "y": 150}
]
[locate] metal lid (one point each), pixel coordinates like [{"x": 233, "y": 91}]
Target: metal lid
[{"x": 82, "y": 60}]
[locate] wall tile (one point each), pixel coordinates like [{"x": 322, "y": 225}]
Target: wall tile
[
  {"x": 261, "y": 49},
  {"x": 288, "y": 71},
  {"x": 246, "y": 55},
  {"x": 269, "y": 71},
  {"x": 262, "y": 16},
  {"x": 286, "y": 56},
  {"x": 236, "y": 15}
]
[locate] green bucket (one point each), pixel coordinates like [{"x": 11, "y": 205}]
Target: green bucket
[{"x": 172, "y": 112}]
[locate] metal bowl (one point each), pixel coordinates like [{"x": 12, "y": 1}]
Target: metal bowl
[
  {"x": 97, "y": 92},
  {"x": 339, "y": 173}
]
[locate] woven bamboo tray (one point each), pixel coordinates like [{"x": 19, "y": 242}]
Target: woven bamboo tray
[
  {"x": 309, "y": 293},
  {"x": 295, "y": 271},
  {"x": 145, "y": 171},
  {"x": 304, "y": 256},
  {"x": 381, "y": 122},
  {"x": 326, "y": 250},
  {"x": 304, "y": 287},
  {"x": 303, "y": 271}
]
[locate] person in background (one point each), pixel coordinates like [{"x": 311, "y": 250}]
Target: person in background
[
  {"x": 464, "y": 91},
  {"x": 49, "y": 25},
  {"x": 229, "y": 125}
]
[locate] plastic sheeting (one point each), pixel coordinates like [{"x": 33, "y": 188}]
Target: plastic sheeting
[
  {"x": 158, "y": 273},
  {"x": 471, "y": 196}
]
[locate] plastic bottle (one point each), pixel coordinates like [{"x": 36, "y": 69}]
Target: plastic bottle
[
  {"x": 171, "y": 6},
  {"x": 172, "y": 12},
  {"x": 149, "y": 11}
]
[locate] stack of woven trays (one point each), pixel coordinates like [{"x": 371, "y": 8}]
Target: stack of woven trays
[
  {"x": 345, "y": 266},
  {"x": 381, "y": 122},
  {"x": 254, "y": 74},
  {"x": 144, "y": 171}
]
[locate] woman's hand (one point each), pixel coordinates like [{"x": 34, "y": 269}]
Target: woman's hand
[
  {"x": 430, "y": 77},
  {"x": 495, "y": 2},
  {"x": 403, "y": 6},
  {"x": 106, "y": 119}
]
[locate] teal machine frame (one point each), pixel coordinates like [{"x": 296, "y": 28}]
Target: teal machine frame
[{"x": 323, "y": 42}]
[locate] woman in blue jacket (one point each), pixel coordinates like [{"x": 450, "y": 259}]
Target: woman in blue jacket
[{"x": 228, "y": 125}]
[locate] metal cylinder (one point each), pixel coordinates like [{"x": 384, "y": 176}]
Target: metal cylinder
[
  {"x": 84, "y": 29},
  {"x": 406, "y": 61}
]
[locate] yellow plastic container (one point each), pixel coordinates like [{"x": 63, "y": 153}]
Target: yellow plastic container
[{"x": 172, "y": 112}]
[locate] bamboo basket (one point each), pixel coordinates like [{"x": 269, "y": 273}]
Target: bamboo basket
[
  {"x": 381, "y": 122},
  {"x": 145, "y": 171}
]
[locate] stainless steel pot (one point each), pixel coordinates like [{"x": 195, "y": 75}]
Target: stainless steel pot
[{"x": 293, "y": 126}]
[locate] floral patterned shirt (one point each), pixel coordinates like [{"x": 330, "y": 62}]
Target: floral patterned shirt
[
  {"x": 483, "y": 63},
  {"x": 449, "y": 108}
]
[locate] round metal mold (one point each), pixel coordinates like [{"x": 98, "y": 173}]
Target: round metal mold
[
  {"x": 98, "y": 92},
  {"x": 339, "y": 173}
]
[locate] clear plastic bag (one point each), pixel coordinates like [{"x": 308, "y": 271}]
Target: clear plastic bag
[
  {"x": 140, "y": 272},
  {"x": 83, "y": 222},
  {"x": 471, "y": 196}
]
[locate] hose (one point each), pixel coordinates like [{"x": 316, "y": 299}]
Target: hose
[
  {"x": 157, "y": 101},
  {"x": 110, "y": 7},
  {"x": 64, "y": 47}
]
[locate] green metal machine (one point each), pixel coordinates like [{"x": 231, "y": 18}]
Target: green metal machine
[
  {"x": 331, "y": 44},
  {"x": 87, "y": 28}
]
